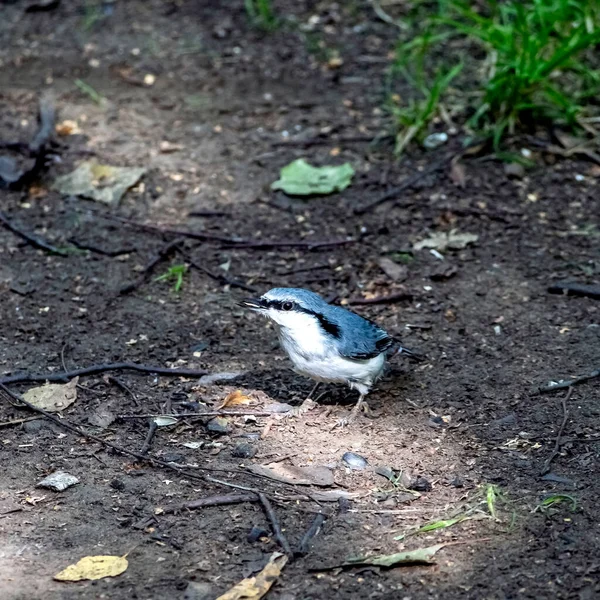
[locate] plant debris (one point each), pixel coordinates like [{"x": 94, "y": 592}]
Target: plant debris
[
  {"x": 53, "y": 397},
  {"x": 94, "y": 567},
  {"x": 302, "y": 179}
]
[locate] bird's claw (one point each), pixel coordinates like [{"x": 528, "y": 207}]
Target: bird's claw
[
  {"x": 345, "y": 421},
  {"x": 307, "y": 405}
]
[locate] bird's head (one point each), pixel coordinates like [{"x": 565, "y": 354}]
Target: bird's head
[{"x": 291, "y": 308}]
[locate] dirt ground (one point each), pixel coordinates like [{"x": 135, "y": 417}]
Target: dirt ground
[{"x": 229, "y": 106}]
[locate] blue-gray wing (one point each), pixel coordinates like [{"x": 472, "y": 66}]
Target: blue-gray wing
[{"x": 362, "y": 339}]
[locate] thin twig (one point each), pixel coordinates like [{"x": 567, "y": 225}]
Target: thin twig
[
  {"x": 211, "y": 501},
  {"x": 68, "y": 426},
  {"x": 325, "y": 141},
  {"x": 116, "y": 381},
  {"x": 152, "y": 427},
  {"x": 570, "y": 382},
  {"x": 211, "y": 413},
  {"x": 408, "y": 183},
  {"x": 97, "y": 250},
  {"x": 102, "y": 368},
  {"x": 220, "y": 277},
  {"x": 279, "y": 536},
  {"x": 17, "y": 421},
  {"x": 557, "y": 443},
  {"x": 310, "y": 245},
  {"x": 304, "y": 545},
  {"x": 33, "y": 240},
  {"x": 161, "y": 255},
  {"x": 574, "y": 288}
]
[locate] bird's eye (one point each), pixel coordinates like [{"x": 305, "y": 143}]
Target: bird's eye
[{"x": 287, "y": 306}]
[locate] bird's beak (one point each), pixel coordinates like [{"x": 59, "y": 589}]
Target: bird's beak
[{"x": 253, "y": 303}]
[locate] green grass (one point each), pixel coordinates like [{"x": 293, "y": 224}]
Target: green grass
[
  {"x": 175, "y": 274},
  {"x": 261, "y": 14},
  {"x": 555, "y": 499},
  {"x": 527, "y": 63},
  {"x": 89, "y": 91}
]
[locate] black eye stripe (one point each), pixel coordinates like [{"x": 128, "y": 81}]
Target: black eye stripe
[{"x": 327, "y": 326}]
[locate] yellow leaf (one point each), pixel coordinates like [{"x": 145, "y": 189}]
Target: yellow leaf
[
  {"x": 94, "y": 567},
  {"x": 234, "y": 399},
  {"x": 256, "y": 587}
]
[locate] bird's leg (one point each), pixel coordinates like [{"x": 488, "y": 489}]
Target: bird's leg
[
  {"x": 307, "y": 404},
  {"x": 354, "y": 413}
]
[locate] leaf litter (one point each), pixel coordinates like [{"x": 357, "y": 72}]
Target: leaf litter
[
  {"x": 442, "y": 240},
  {"x": 53, "y": 397},
  {"x": 94, "y": 567},
  {"x": 253, "y": 588},
  {"x": 103, "y": 183},
  {"x": 300, "y": 178}
]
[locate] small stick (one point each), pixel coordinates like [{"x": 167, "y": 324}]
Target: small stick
[
  {"x": 33, "y": 240},
  {"x": 102, "y": 368},
  {"x": 212, "y": 501},
  {"x": 212, "y": 413},
  {"x": 116, "y": 381},
  {"x": 66, "y": 425},
  {"x": 220, "y": 277},
  {"x": 575, "y": 289},
  {"x": 279, "y": 536},
  {"x": 148, "y": 441},
  {"x": 396, "y": 297},
  {"x": 325, "y": 141},
  {"x": 304, "y": 545},
  {"x": 17, "y": 421},
  {"x": 570, "y": 382},
  {"x": 208, "y": 213},
  {"x": 408, "y": 183},
  {"x": 266, "y": 245},
  {"x": 97, "y": 250},
  {"x": 557, "y": 443},
  {"x": 163, "y": 253}
]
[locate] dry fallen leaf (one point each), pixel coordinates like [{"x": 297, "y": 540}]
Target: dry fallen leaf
[
  {"x": 53, "y": 397},
  {"x": 256, "y": 587},
  {"x": 442, "y": 240},
  {"x": 234, "y": 399},
  {"x": 94, "y": 567},
  {"x": 395, "y": 271},
  {"x": 67, "y": 128},
  {"x": 316, "y": 475},
  {"x": 458, "y": 174}
]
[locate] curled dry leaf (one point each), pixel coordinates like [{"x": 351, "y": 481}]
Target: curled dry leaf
[
  {"x": 53, "y": 397},
  {"x": 94, "y": 567},
  {"x": 396, "y": 272},
  {"x": 234, "y": 399},
  {"x": 256, "y": 587},
  {"x": 317, "y": 475}
]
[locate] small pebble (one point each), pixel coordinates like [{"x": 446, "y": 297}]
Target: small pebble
[
  {"x": 457, "y": 482},
  {"x": 354, "y": 461},
  {"x": 244, "y": 450},
  {"x": 435, "y": 140},
  {"x": 218, "y": 425},
  {"x": 58, "y": 481},
  {"x": 33, "y": 426},
  {"x": 117, "y": 484},
  {"x": 256, "y": 533},
  {"x": 173, "y": 457},
  {"x": 420, "y": 484}
]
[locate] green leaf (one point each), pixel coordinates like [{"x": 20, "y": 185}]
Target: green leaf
[
  {"x": 302, "y": 179},
  {"x": 419, "y": 556}
]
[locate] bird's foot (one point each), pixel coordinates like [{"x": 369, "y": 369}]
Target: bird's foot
[
  {"x": 360, "y": 405},
  {"x": 297, "y": 411}
]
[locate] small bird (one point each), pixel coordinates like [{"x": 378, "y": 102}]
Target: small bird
[{"x": 325, "y": 342}]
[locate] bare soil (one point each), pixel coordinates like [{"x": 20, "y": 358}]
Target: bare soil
[{"x": 226, "y": 97}]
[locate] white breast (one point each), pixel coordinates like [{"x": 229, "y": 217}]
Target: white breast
[{"x": 315, "y": 356}]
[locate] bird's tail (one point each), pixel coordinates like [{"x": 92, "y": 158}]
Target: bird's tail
[{"x": 416, "y": 356}]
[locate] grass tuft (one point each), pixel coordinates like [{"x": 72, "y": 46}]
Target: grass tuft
[
  {"x": 527, "y": 63},
  {"x": 175, "y": 274},
  {"x": 261, "y": 14}
]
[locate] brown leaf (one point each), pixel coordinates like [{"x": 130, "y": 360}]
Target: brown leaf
[
  {"x": 458, "y": 174},
  {"x": 256, "y": 587},
  {"x": 234, "y": 399},
  {"x": 53, "y": 397},
  {"x": 317, "y": 475},
  {"x": 396, "y": 272}
]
